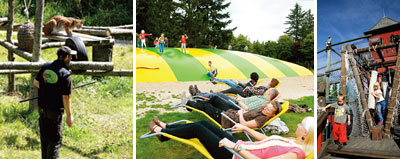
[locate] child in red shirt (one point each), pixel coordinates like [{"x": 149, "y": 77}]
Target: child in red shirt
[
  {"x": 142, "y": 36},
  {"x": 183, "y": 41},
  {"x": 156, "y": 42}
]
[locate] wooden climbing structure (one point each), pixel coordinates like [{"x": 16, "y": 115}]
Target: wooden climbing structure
[{"x": 359, "y": 68}]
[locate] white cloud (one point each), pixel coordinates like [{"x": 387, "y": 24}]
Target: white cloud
[{"x": 263, "y": 20}]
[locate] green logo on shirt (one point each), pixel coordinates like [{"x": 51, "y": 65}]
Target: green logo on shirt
[{"x": 50, "y": 76}]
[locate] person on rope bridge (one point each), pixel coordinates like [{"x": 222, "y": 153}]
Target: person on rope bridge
[
  {"x": 54, "y": 83},
  {"x": 342, "y": 113},
  {"x": 142, "y": 36},
  {"x": 183, "y": 42},
  {"x": 214, "y": 139},
  {"x": 380, "y": 102}
]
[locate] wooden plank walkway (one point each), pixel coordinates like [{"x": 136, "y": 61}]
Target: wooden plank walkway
[
  {"x": 365, "y": 147},
  {"x": 87, "y": 39}
]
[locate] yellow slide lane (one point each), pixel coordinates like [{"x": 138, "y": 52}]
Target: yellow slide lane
[
  {"x": 268, "y": 69},
  {"x": 226, "y": 70},
  {"x": 302, "y": 71},
  {"x": 152, "y": 60}
]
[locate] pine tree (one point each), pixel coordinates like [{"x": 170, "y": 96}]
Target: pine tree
[
  {"x": 307, "y": 24},
  {"x": 295, "y": 22}
]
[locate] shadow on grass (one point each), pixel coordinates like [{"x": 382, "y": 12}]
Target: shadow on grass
[{"x": 106, "y": 148}]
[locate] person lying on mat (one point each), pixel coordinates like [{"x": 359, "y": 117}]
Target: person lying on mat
[
  {"x": 225, "y": 102},
  {"x": 215, "y": 139},
  {"x": 251, "y": 91},
  {"x": 236, "y": 84},
  {"x": 254, "y": 118}
]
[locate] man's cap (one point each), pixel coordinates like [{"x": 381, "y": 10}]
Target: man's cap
[{"x": 65, "y": 50}]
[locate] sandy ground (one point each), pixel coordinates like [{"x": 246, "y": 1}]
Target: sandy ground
[{"x": 290, "y": 88}]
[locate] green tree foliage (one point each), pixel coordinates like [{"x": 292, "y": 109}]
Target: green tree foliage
[
  {"x": 295, "y": 19},
  {"x": 238, "y": 43},
  {"x": 204, "y": 22},
  {"x": 307, "y": 25},
  {"x": 271, "y": 49},
  {"x": 307, "y": 50},
  {"x": 285, "y": 48},
  {"x": 94, "y": 12}
]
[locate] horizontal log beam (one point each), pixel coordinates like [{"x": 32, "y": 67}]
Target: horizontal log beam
[
  {"x": 52, "y": 45},
  {"x": 383, "y": 46},
  {"x": 2, "y": 20},
  {"x": 103, "y": 33},
  {"x": 108, "y": 27},
  {"x": 121, "y": 31},
  {"x": 74, "y": 65},
  {"x": 126, "y": 73},
  {"x": 19, "y": 52},
  {"x": 15, "y": 27}
]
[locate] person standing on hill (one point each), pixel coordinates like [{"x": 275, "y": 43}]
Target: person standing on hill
[
  {"x": 156, "y": 42},
  {"x": 183, "y": 41},
  {"x": 54, "y": 83},
  {"x": 166, "y": 42},
  {"x": 246, "y": 48},
  {"x": 161, "y": 42},
  {"x": 142, "y": 36}
]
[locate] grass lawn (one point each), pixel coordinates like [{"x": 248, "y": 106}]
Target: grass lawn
[
  {"x": 173, "y": 149},
  {"x": 103, "y": 114}
]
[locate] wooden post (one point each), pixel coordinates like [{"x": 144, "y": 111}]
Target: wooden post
[
  {"x": 343, "y": 71},
  {"x": 360, "y": 87},
  {"x": 393, "y": 97},
  {"x": 11, "y": 85},
  {"x": 36, "y": 49},
  {"x": 102, "y": 53},
  {"x": 327, "y": 86}
]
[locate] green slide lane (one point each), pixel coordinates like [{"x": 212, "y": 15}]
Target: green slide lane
[{"x": 184, "y": 66}]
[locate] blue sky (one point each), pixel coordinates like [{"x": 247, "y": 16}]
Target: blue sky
[{"x": 348, "y": 19}]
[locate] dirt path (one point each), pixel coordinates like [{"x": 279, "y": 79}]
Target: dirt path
[{"x": 169, "y": 92}]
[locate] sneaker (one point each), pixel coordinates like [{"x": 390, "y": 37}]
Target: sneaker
[
  {"x": 380, "y": 123},
  {"x": 184, "y": 100},
  {"x": 197, "y": 89},
  {"x": 344, "y": 143},
  {"x": 192, "y": 90},
  {"x": 336, "y": 142},
  {"x": 340, "y": 146}
]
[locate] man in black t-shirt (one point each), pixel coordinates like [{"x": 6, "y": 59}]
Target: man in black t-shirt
[{"x": 54, "y": 83}]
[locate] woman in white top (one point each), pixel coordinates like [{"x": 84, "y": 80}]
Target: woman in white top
[{"x": 380, "y": 102}]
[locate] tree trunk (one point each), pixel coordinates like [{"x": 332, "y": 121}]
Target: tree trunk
[
  {"x": 360, "y": 87},
  {"x": 343, "y": 71},
  {"x": 393, "y": 97},
  {"x": 11, "y": 85}
]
